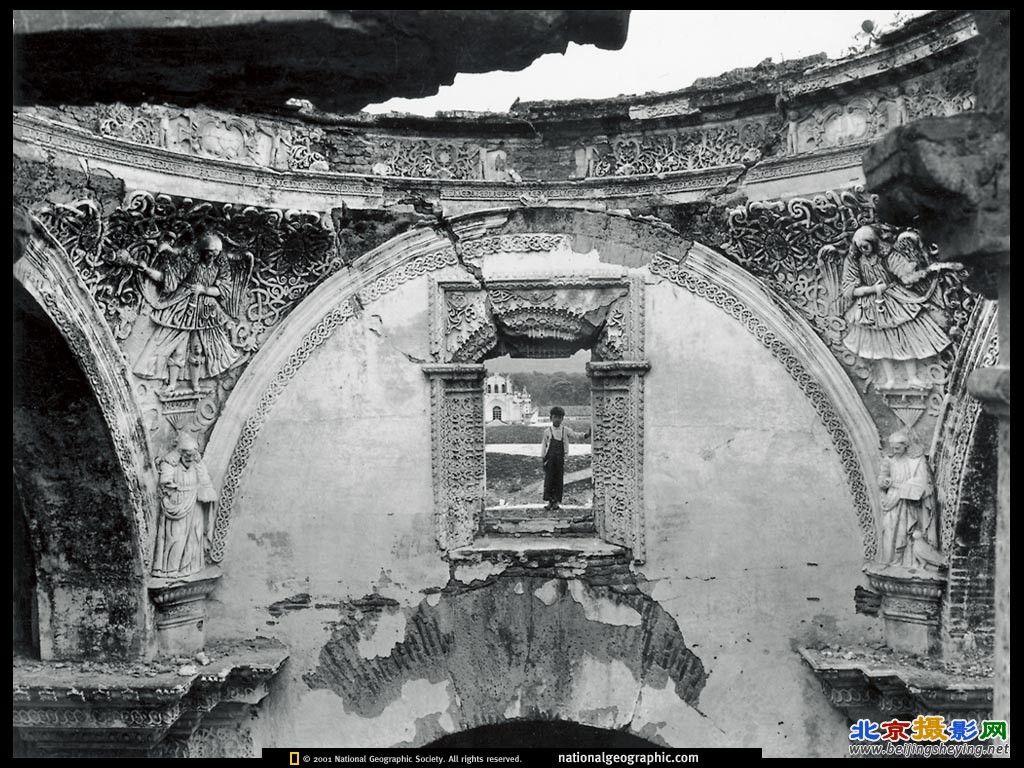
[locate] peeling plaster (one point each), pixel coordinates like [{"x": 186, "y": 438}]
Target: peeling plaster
[
  {"x": 478, "y": 571},
  {"x": 603, "y": 694},
  {"x": 548, "y": 593},
  {"x": 661, "y": 716},
  {"x": 321, "y": 720},
  {"x": 384, "y": 636},
  {"x": 515, "y": 709},
  {"x": 507, "y": 654},
  {"x": 604, "y": 611}
]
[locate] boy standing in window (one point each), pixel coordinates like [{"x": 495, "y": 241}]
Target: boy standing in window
[{"x": 553, "y": 451}]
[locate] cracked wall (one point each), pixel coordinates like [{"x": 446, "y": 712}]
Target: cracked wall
[{"x": 752, "y": 549}]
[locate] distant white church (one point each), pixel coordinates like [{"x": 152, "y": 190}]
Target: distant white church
[{"x": 503, "y": 404}]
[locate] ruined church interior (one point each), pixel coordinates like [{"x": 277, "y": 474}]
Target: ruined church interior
[{"x": 252, "y": 330}]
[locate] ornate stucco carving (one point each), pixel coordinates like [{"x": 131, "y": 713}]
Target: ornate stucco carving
[
  {"x": 799, "y": 249},
  {"x": 426, "y": 158},
  {"x": 679, "y": 150},
  {"x": 855, "y": 120},
  {"x": 959, "y": 418},
  {"x": 457, "y": 451},
  {"x": 525, "y": 242},
  {"x": 271, "y": 260},
  {"x": 533, "y": 316},
  {"x": 219, "y": 135},
  {"x": 617, "y": 392}
]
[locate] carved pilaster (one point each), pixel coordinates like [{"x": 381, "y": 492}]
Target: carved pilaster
[
  {"x": 457, "y": 451},
  {"x": 617, "y": 390}
]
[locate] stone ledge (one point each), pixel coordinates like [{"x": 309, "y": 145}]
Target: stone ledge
[
  {"x": 537, "y": 549},
  {"x": 862, "y": 686},
  {"x": 85, "y": 708}
]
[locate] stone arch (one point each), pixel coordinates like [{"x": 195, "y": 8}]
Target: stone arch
[
  {"x": 618, "y": 240},
  {"x": 45, "y": 271},
  {"x": 89, "y": 571}
]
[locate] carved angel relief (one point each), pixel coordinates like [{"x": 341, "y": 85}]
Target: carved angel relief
[
  {"x": 193, "y": 297},
  {"x": 892, "y": 315},
  {"x": 191, "y": 290},
  {"x": 892, "y": 300}
]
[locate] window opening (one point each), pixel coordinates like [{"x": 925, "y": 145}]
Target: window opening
[{"x": 525, "y": 491}]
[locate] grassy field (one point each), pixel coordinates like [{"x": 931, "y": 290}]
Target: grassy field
[
  {"x": 511, "y": 477},
  {"x": 520, "y": 433}
]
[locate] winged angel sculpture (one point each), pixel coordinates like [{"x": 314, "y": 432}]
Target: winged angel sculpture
[
  {"x": 891, "y": 302},
  {"x": 195, "y": 297}
]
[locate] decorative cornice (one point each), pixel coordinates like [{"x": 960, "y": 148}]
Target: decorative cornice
[
  {"x": 886, "y": 59},
  {"x": 604, "y": 369},
  {"x": 56, "y": 710},
  {"x": 238, "y": 181},
  {"x": 862, "y": 688},
  {"x": 454, "y": 370},
  {"x": 172, "y": 591}
]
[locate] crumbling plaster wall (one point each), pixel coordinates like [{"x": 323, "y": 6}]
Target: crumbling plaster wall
[{"x": 752, "y": 544}]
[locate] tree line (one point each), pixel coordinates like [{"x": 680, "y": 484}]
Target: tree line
[{"x": 559, "y": 388}]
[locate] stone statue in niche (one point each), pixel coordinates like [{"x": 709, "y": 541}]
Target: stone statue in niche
[
  {"x": 583, "y": 158},
  {"x": 194, "y": 298},
  {"x": 893, "y": 307},
  {"x": 783, "y": 103},
  {"x": 910, "y": 520},
  {"x": 187, "y": 499}
]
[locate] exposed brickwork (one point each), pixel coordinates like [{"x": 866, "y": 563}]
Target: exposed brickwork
[{"x": 970, "y": 604}]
